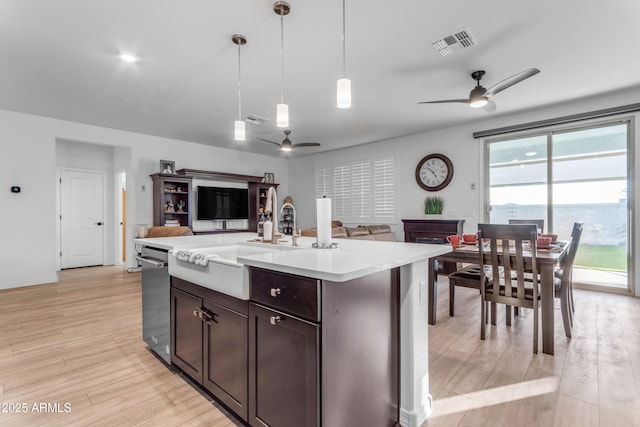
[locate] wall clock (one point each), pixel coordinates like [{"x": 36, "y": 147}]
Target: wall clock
[{"x": 434, "y": 172}]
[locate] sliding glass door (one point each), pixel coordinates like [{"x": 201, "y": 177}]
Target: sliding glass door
[{"x": 564, "y": 177}]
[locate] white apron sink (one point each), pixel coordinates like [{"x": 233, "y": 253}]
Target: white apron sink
[{"x": 223, "y": 272}]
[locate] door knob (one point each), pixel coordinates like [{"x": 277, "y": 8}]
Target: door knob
[{"x": 99, "y": 223}]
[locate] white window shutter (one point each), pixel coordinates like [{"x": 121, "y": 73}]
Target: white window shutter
[
  {"x": 384, "y": 188},
  {"x": 341, "y": 200},
  {"x": 362, "y": 191},
  {"x": 323, "y": 182},
  {"x": 362, "y": 196}
]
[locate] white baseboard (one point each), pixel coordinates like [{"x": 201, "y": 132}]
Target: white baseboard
[{"x": 417, "y": 418}]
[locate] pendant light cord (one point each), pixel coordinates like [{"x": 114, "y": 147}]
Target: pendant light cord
[
  {"x": 282, "y": 56},
  {"x": 239, "y": 87},
  {"x": 344, "y": 44}
]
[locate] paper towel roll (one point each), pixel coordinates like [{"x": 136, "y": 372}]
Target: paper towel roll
[{"x": 323, "y": 221}]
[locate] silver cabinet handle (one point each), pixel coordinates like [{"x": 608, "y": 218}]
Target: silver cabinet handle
[
  {"x": 275, "y": 292},
  {"x": 274, "y": 319}
]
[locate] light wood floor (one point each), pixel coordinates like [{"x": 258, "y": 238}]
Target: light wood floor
[
  {"x": 79, "y": 342},
  {"x": 593, "y": 379}
]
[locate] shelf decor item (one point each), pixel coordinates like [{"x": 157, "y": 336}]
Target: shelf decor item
[
  {"x": 269, "y": 178},
  {"x": 433, "y": 206},
  {"x": 168, "y": 167}
]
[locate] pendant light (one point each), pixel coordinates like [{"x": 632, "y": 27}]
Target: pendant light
[
  {"x": 239, "y": 129},
  {"x": 282, "y": 110},
  {"x": 344, "y": 84}
]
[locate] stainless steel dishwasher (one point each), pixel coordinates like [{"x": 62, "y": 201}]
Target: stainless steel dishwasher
[{"x": 156, "y": 301}]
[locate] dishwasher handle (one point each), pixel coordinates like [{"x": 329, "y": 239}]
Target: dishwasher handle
[{"x": 154, "y": 262}]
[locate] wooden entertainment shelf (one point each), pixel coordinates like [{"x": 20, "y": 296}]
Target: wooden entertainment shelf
[{"x": 162, "y": 194}]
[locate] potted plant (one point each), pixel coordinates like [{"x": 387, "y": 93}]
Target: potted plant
[{"x": 433, "y": 206}]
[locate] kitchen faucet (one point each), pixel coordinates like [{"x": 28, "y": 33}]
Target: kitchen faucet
[{"x": 272, "y": 207}]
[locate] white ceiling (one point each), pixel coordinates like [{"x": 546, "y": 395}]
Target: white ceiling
[{"x": 60, "y": 59}]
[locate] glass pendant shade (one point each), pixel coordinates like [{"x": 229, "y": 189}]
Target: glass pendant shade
[
  {"x": 344, "y": 93},
  {"x": 282, "y": 115},
  {"x": 239, "y": 132}
]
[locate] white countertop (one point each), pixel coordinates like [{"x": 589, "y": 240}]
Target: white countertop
[
  {"x": 354, "y": 258},
  {"x": 197, "y": 241}
]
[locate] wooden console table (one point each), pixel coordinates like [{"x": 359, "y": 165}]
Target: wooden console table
[
  {"x": 436, "y": 229},
  {"x": 433, "y": 231}
]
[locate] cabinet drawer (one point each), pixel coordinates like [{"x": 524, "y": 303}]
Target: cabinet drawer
[{"x": 292, "y": 294}]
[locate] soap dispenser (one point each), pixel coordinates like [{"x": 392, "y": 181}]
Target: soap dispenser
[
  {"x": 261, "y": 225},
  {"x": 267, "y": 229}
]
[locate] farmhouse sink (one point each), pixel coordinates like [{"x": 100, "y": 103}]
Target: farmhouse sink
[{"x": 223, "y": 272}]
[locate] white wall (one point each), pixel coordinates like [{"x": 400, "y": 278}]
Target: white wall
[
  {"x": 466, "y": 154},
  {"x": 28, "y": 253}
]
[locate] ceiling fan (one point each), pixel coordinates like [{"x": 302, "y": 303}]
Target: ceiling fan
[
  {"x": 479, "y": 96},
  {"x": 286, "y": 144}
]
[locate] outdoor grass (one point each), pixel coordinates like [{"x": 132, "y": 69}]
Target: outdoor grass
[{"x": 613, "y": 258}]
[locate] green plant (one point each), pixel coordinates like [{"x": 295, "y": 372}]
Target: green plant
[{"x": 433, "y": 205}]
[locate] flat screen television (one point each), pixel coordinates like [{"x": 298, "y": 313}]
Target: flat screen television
[{"x": 222, "y": 203}]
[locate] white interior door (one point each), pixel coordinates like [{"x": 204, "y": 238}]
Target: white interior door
[{"x": 81, "y": 219}]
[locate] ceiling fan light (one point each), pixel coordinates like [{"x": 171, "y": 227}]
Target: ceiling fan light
[
  {"x": 478, "y": 102},
  {"x": 282, "y": 115},
  {"x": 239, "y": 130},
  {"x": 344, "y": 93},
  {"x": 286, "y": 148},
  {"x": 128, "y": 57}
]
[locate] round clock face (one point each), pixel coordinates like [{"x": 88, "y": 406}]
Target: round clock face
[{"x": 434, "y": 172}]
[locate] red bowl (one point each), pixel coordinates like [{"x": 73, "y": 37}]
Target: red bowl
[{"x": 553, "y": 237}]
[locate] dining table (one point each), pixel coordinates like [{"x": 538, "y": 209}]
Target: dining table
[{"x": 546, "y": 258}]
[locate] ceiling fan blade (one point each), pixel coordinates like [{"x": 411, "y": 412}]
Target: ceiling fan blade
[
  {"x": 266, "y": 140},
  {"x": 464, "y": 101},
  {"x": 490, "y": 107},
  {"x": 306, "y": 144},
  {"x": 510, "y": 81}
]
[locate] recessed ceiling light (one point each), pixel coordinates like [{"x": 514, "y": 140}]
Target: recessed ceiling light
[
  {"x": 127, "y": 57},
  {"x": 531, "y": 153}
]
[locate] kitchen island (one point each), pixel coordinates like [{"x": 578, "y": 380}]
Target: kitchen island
[{"x": 355, "y": 274}]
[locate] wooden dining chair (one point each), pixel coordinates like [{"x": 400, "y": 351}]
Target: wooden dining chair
[
  {"x": 563, "y": 281},
  {"x": 503, "y": 271},
  {"x": 538, "y": 222},
  {"x": 467, "y": 277}
]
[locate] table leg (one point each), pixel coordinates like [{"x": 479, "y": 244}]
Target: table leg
[
  {"x": 433, "y": 289},
  {"x": 547, "y": 295}
]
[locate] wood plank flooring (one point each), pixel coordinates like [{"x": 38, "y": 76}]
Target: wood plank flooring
[
  {"x": 78, "y": 342},
  {"x": 593, "y": 379}
]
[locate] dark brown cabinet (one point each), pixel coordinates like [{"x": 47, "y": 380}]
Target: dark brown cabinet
[
  {"x": 186, "y": 333},
  {"x": 283, "y": 369},
  {"x": 172, "y": 200},
  {"x": 323, "y": 353},
  {"x": 431, "y": 229},
  {"x": 209, "y": 342},
  {"x": 225, "y": 357}
]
